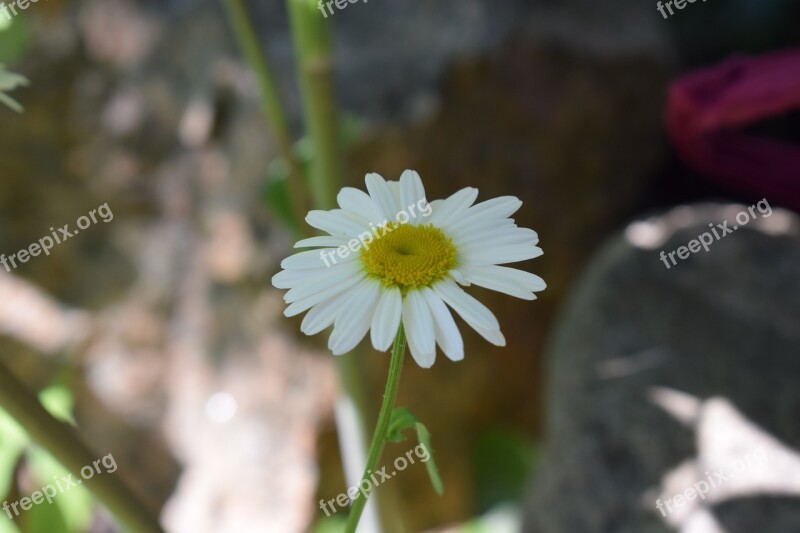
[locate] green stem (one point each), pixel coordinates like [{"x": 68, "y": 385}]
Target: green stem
[
  {"x": 312, "y": 42},
  {"x": 382, "y": 427},
  {"x": 61, "y": 440},
  {"x": 270, "y": 102}
]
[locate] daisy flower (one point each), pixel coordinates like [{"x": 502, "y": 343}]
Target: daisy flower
[{"x": 389, "y": 256}]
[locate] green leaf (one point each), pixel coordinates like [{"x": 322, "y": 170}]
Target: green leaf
[
  {"x": 6, "y": 525},
  {"x": 57, "y": 399},
  {"x": 400, "y": 420},
  {"x": 15, "y": 38},
  {"x": 403, "y": 419},
  {"x": 424, "y": 437},
  {"x": 13, "y": 441},
  {"x": 75, "y": 503},
  {"x": 44, "y": 517}
]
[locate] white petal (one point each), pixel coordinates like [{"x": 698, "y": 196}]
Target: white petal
[
  {"x": 329, "y": 277},
  {"x": 306, "y": 303},
  {"x": 310, "y": 259},
  {"x": 327, "y": 241},
  {"x": 286, "y": 279},
  {"x": 358, "y": 202},
  {"x": 453, "y": 207},
  {"x": 354, "y": 318},
  {"x": 418, "y": 325},
  {"x": 509, "y": 281},
  {"x": 411, "y": 193},
  {"x": 500, "y": 207},
  {"x": 447, "y": 334},
  {"x": 394, "y": 186},
  {"x": 382, "y": 195},
  {"x": 479, "y": 225},
  {"x": 386, "y": 321},
  {"x": 496, "y": 236},
  {"x": 456, "y": 275},
  {"x": 323, "y": 314},
  {"x": 471, "y": 310},
  {"x": 477, "y": 256},
  {"x": 337, "y": 222}
]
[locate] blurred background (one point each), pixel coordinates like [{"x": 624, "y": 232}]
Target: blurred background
[{"x": 160, "y": 332}]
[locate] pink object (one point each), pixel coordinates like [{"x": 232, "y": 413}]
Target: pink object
[{"x": 707, "y": 110}]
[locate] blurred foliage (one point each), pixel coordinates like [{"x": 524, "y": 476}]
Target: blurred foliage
[
  {"x": 276, "y": 191},
  {"x": 8, "y": 82},
  {"x": 503, "y": 462},
  {"x": 329, "y": 524},
  {"x": 71, "y": 510},
  {"x": 14, "y": 38}
]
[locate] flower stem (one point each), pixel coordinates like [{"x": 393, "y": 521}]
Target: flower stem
[
  {"x": 312, "y": 41},
  {"x": 382, "y": 427},
  {"x": 61, "y": 440},
  {"x": 270, "y": 103}
]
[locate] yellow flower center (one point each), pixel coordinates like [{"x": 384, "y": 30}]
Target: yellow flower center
[{"x": 408, "y": 256}]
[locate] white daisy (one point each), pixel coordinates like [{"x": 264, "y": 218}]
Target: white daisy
[{"x": 389, "y": 256}]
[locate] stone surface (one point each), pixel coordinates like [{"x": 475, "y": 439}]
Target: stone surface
[{"x": 658, "y": 377}]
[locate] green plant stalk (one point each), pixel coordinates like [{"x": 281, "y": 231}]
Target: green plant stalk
[
  {"x": 312, "y": 41},
  {"x": 270, "y": 103},
  {"x": 61, "y": 440},
  {"x": 382, "y": 426}
]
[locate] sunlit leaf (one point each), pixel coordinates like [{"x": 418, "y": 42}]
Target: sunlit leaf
[
  {"x": 45, "y": 517},
  {"x": 75, "y": 503},
  {"x": 13, "y": 441},
  {"x": 57, "y": 399},
  {"x": 15, "y": 37}
]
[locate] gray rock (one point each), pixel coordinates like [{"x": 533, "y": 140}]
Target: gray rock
[{"x": 658, "y": 378}]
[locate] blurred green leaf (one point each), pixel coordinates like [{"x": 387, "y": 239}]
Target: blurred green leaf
[
  {"x": 10, "y": 81},
  {"x": 74, "y": 503},
  {"x": 328, "y": 524},
  {"x": 71, "y": 510},
  {"x": 57, "y": 399},
  {"x": 44, "y": 517},
  {"x": 503, "y": 462},
  {"x": 13, "y": 441},
  {"x": 7, "y": 525},
  {"x": 276, "y": 193},
  {"x": 14, "y": 38}
]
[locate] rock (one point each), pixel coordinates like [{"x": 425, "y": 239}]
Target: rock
[{"x": 660, "y": 379}]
